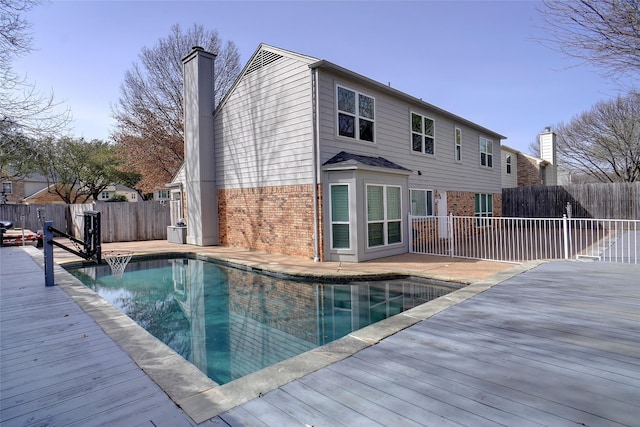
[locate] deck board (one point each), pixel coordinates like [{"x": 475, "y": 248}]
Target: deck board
[
  {"x": 58, "y": 367},
  {"x": 558, "y": 345}
]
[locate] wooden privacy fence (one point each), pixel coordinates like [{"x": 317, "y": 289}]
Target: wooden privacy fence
[
  {"x": 121, "y": 222},
  {"x": 32, "y": 217},
  {"x": 600, "y": 200}
]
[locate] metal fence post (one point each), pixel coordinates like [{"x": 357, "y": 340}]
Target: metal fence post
[
  {"x": 410, "y": 234},
  {"x": 451, "y": 240},
  {"x": 48, "y": 253},
  {"x": 565, "y": 233}
]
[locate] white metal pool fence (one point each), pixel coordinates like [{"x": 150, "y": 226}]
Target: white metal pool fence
[{"x": 522, "y": 239}]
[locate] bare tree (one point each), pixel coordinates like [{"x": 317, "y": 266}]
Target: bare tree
[
  {"x": 149, "y": 113},
  {"x": 604, "y": 32},
  {"x": 23, "y": 110},
  {"x": 534, "y": 147},
  {"x": 604, "y": 142},
  {"x": 14, "y": 29}
]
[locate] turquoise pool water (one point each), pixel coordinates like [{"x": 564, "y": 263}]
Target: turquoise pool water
[{"x": 230, "y": 323}]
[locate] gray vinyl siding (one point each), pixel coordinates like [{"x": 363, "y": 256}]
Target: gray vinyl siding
[
  {"x": 263, "y": 132},
  {"x": 509, "y": 180},
  {"x": 393, "y": 141}
]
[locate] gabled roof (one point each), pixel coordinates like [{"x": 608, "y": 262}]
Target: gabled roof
[
  {"x": 266, "y": 54},
  {"x": 37, "y": 193},
  {"x": 402, "y": 95},
  {"x": 262, "y": 57},
  {"x": 528, "y": 156},
  {"x": 120, "y": 187},
  {"x": 344, "y": 160}
]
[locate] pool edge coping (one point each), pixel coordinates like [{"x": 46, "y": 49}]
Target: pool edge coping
[{"x": 199, "y": 396}]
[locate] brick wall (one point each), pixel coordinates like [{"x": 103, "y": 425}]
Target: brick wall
[
  {"x": 269, "y": 219},
  {"x": 17, "y": 191},
  {"x": 465, "y": 203},
  {"x": 280, "y": 309},
  {"x": 528, "y": 172}
]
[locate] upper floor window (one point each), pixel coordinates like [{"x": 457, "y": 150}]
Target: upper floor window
[
  {"x": 486, "y": 152},
  {"x": 458, "y": 141},
  {"x": 7, "y": 187},
  {"x": 356, "y": 115},
  {"x": 105, "y": 195},
  {"x": 422, "y": 134},
  {"x": 421, "y": 202},
  {"x": 508, "y": 163}
]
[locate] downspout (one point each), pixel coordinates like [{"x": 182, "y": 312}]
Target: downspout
[{"x": 316, "y": 139}]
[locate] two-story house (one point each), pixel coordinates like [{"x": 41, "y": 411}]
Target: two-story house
[
  {"x": 307, "y": 158},
  {"x": 18, "y": 189},
  {"x": 522, "y": 170}
]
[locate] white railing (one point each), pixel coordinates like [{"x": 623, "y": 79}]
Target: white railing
[{"x": 522, "y": 239}]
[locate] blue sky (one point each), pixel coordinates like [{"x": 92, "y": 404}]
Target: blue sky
[{"x": 476, "y": 59}]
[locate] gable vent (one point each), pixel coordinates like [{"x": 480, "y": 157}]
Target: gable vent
[{"x": 263, "y": 58}]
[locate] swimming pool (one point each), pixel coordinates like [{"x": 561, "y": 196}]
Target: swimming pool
[{"x": 230, "y": 323}]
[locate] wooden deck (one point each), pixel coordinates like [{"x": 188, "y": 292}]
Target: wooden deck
[
  {"x": 557, "y": 345},
  {"x": 58, "y": 367}
]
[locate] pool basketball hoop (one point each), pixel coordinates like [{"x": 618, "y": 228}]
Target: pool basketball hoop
[{"x": 118, "y": 261}]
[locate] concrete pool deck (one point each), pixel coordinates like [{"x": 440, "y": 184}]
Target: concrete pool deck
[{"x": 261, "y": 398}]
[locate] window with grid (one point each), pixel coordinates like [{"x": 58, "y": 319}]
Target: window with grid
[
  {"x": 356, "y": 115},
  {"x": 486, "y": 152},
  {"x": 384, "y": 215},
  {"x": 340, "y": 216},
  {"x": 7, "y": 187},
  {"x": 422, "y": 134},
  {"x": 421, "y": 202},
  {"x": 458, "y": 141},
  {"x": 483, "y": 209}
]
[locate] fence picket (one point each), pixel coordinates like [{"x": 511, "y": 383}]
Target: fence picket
[
  {"x": 121, "y": 222},
  {"x": 522, "y": 239},
  {"x": 597, "y": 200}
]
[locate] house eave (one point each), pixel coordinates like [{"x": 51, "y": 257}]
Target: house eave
[
  {"x": 361, "y": 167},
  {"x": 324, "y": 64}
]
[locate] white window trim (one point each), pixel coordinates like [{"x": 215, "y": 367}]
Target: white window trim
[
  {"x": 489, "y": 143},
  {"x": 483, "y": 217},
  {"x": 386, "y": 220},
  {"x": 331, "y": 221},
  {"x": 425, "y": 208},
  {"x": 457, "y": 145},
  {"x": 10, "y": 185},
  {"x": 508, "y": 164},
  {"x": 356, "y": 116},
  {"x": 411, "y": 113}
]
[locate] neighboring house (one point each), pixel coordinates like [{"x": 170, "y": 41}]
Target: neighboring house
[
  {"x": 48, "y": 195},
  {"x": 162, "y": 194},
  {"x": 118, "y": 190},
  {"x": 16, "y": 190},
  {"x": 175, "y": 195},
  {"x": 306, "y": 158},
  {"x": 521, "y": 170}
]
